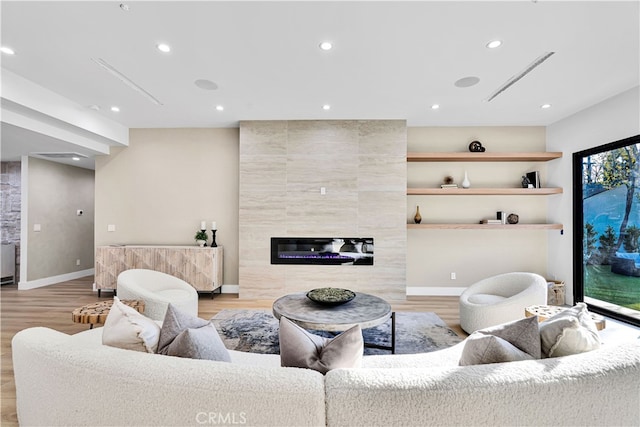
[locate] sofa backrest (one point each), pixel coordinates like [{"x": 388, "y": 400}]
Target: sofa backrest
[
  {"x": 601, "y": 387},
  {"x": 63, "y": 381}
]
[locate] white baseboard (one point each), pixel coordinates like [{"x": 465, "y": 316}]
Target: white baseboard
[
  {"x": 434, "y": 291},
  {"x": 411, "y": 291},
  {"x": 46, "y": 281},
  {"x": 230, "y": 289}
]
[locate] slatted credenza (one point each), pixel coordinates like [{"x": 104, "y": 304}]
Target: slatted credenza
[{"x": 200, "y": 267}]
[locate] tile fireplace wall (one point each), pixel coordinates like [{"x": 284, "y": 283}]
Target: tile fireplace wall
[{"x": 361, "y": 164}]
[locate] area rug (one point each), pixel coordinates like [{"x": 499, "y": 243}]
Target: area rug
[{"x": 256, "y": 331}]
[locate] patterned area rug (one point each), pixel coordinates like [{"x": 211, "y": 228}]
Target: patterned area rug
[{"x": 256, "y": 331}]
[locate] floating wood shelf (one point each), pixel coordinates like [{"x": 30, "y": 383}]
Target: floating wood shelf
[
  {"x": 483, "y": 191},
  {"x": 486, "y": 226},
  {"x": 483, "y": 157}
]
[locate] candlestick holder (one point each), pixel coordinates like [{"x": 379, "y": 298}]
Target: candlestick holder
[{"x": 213, "y": 239}]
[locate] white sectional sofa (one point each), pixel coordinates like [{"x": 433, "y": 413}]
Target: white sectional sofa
[{"x": 75, "y": 380}]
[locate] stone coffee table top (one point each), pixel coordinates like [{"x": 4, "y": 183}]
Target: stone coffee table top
[{"x": 364, "y": 310}]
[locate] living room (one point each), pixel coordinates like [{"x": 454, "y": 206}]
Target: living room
[{"x": 268, "y": 163}]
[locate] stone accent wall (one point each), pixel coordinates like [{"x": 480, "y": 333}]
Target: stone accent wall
[
  {"x": 283, "y": 166},
  {"x": 11, "y": 204}
]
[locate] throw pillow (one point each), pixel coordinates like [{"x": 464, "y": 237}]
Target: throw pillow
[
  {"x": 569, "y": 332},
  {"x": 301, "y": 349},
  {"x": 508, "y": 342},
  {"x": 481, "y": 349},
  {"x": 126, "y": 328},
  {"x": 184, "y": 335}
]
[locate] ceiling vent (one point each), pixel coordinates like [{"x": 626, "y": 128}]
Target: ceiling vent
[
  {"x": 124, "y": 79},
  {"x": 60, "y": 155},
  {"x": 520, "y": 75}
]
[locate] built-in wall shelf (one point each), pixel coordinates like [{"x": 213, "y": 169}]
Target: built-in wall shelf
[
  {"x": 483, "y": 191},
  {"x": 486, "y": 226},
  {"x": 483, "y": 157}
]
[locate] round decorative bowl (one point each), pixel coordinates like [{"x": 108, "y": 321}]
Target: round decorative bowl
[{"x": 331, "y": 296}]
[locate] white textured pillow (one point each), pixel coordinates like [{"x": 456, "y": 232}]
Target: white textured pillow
[
  {"x": 569, "y": 332},
  {"x": 301, "y": 349},
  {"x": 128, "y": 329}
]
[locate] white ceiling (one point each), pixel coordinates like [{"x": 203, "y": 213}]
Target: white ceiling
[{"x": 391, "y": 60}]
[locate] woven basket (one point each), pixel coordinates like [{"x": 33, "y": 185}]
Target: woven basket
[{"x": 555, "y": 292}]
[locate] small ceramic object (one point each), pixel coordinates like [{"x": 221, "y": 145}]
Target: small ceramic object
[
  {"x": 513, "y": 218},
  {"x": 465, "y": 182},
  {"x": 417, "y": 218}
]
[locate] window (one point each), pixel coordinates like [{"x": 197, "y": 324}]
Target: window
[{"x": 606, "y": 209}]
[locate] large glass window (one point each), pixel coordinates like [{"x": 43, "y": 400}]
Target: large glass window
[{"x": 607, "y": 229}]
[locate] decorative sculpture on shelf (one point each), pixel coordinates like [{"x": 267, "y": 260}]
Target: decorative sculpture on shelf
[{"x": 476, "y": 147}]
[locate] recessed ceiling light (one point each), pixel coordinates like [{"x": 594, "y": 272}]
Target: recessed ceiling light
[
  {"x": 545, "y": 106},
  {"x": 435, "y": 106},
  {"x": 326, "y": 107},
  {"x": 115, "y": 109},
  {"x": 494, "y": 44},
  {"x": 7, "y": 50},
  {"x": 76, "y": 158},
  {"x": 467, "y": 81},
  {"x": 165, "y": 48},
  {"x": 220, "y": 107},
  {"x": 326, "y": 45}
]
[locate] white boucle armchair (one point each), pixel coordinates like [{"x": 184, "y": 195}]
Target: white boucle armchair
[
  {"x": 157, "y": 290},
  {"x": 500, "y": 299}
]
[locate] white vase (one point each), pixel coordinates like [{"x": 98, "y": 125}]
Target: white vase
[{"x": 465, "y": 182}]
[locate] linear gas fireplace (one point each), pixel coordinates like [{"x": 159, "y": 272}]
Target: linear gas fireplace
[{"x": 322, "y": 250}]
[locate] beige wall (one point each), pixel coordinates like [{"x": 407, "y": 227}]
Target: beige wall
[
  {"x": 158, "y": 190},
  {"x": 283, "y": 165},
  {"x": 55, "y": 191},
  {"x": 432, "y": 255}
]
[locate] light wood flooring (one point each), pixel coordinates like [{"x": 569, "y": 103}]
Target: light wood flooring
[{"x": 51, "y": 306}]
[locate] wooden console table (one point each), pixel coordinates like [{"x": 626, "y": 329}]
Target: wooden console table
[{"x": 200, "y": 267}]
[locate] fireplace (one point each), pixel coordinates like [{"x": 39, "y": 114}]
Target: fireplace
[{"x": 322, "y": 250}]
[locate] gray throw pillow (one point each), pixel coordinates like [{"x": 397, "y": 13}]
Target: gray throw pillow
[
  {"x": 301, "y": 349},
  {"x": 481, "y": 349},
  {"x": 508, "y": 342},
  {"x": 184, "y": 335}
]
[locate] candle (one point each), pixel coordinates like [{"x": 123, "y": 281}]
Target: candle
[
  {"x": 203, "y": 225},
  {"x": 213, "y": 225}
]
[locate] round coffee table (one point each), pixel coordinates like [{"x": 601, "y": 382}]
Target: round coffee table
[{"x": 364, "y": 310}]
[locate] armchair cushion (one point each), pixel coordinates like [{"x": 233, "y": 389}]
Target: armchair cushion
[
  {"x": 157, "y": 290},
  {"x": 500, "y": 299}
]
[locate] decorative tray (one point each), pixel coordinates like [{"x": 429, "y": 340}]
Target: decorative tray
[{"x": 331, "y": 296}]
